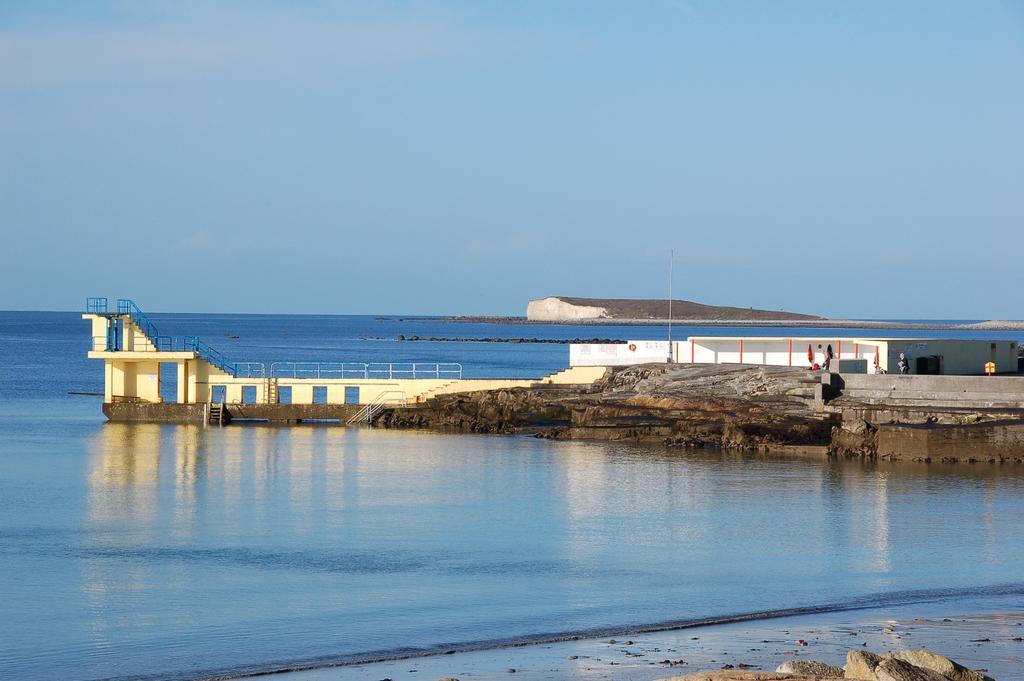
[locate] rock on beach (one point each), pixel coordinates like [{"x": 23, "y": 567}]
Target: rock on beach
[{"x": 900, "y": 665}]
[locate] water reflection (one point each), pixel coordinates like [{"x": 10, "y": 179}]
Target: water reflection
[
  {"x": 312, "y": 541},
  {"x": 125, "y": 472}
]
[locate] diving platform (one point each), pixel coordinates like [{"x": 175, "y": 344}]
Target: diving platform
[{"x": 210, "y": 387}]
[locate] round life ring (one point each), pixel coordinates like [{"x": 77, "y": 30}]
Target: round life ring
[{"x": 632, "y": 347}]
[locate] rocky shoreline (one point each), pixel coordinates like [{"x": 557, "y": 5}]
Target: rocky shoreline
[
  {"x": 728, "y": 406},
  {"x": 695, "y": 406},
  {"x": 861, "y": 665},
  {"x": 805, "y": 648}
]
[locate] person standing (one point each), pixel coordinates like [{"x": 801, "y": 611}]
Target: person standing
[{"x": 904, "y": 364}]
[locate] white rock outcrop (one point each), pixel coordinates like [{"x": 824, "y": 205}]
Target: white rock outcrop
[{"x": 554, "y": 309}]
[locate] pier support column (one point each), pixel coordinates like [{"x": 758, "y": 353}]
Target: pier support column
[
  {"x": 108, "y": 381},
  {"x": 183, "y": 391}
]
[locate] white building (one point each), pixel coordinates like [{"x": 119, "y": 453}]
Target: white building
[{"x": 926, "y": 355}]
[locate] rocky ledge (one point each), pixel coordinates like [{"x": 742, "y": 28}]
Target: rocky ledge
[
  {"x": 900, "y": 665},
  {"x": 735, "y": 407},
  {"x": 730, "y": 406}
]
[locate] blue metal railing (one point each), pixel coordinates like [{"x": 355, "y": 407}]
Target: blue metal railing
[
  {"x": 160, "y": 343},
  {"x": 250, "y": 370},
  {"x": 205, "y": 352},
  {"x": 128, "y": 307},
  {"x": 214, "y": 357},
  {"x": 96, "y": 305},
  {"x": 174, "y": 343},
  {"x": 389, "y": 370},
  {"x": 319, "y": 370}
]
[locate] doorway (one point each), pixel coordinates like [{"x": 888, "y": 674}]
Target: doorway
[{"x": 168, "y": 377}]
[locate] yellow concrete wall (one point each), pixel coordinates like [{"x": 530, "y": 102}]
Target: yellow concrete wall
[
  {"x": 301, "y": 394},
  {"x": 139, "y": 378},
  {"x": 134, "y": 380},
  {"x": 393, "y": 390},
  {"x": 576, "y": 375},
  {"x": 467, "y": 385},
  {"x": 134, "y": 340},
  {"x": 135, "y": 377},
  {"x": 184, "y": 394},
  {"x": 99, "y": 331},
  {"x": 108, "y": 382},
  {"x": 147, "y": 381}
]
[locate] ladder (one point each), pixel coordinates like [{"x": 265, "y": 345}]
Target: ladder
[
  {"x": 216, "y": 417},
  {"x": 270, "y": 389}
]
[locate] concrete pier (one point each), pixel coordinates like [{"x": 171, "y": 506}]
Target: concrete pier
[{"x": 132, "y": 351}]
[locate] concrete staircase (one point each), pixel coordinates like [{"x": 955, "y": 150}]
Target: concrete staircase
[
  {"x": 565, "y": 377},
  {"x": 434, "y": 392},
  {"x": 807, "y": 387},
  {"x": 575, "y": 376}
]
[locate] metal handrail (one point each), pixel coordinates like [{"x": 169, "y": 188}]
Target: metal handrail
[
  {"x": 319, "y": 370},
  {"x": 389, "y": 370},
  {"x": 249, "y": 370},
  {"x": 101, "y": 344},
  {"x": 128, "y": 307},
  {"x": 174, "y": 343},
  {"x": 386, "y": 397},
  {"x": 96, "y": 305},
  {"x": 214, "y": 357},
  {"x": 451, "y": 370}
]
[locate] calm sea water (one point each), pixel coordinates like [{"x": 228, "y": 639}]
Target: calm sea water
[{"x": 131, "y": 551}]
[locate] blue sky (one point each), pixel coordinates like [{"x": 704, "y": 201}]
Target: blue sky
[{"x": 852, "y": 159}]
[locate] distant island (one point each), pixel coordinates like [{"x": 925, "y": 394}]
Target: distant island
[{"x": 565, "y": 309}]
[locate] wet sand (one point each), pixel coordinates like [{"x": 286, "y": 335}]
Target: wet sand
[{"x": 978, "y": 638}]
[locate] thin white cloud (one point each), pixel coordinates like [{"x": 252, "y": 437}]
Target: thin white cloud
[{"x": 189, "y": 40}]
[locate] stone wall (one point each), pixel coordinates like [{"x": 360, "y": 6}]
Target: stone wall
[
  {"x": 936, "y": 392},
  {"x": 154, "y": 412},
  {"x": 998, "y": 441}
]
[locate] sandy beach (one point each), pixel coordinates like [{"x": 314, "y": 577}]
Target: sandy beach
[{"x": 971, "y": 633}]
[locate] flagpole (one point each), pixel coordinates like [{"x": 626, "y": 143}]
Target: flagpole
[{"x": 671, "y": 258}]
